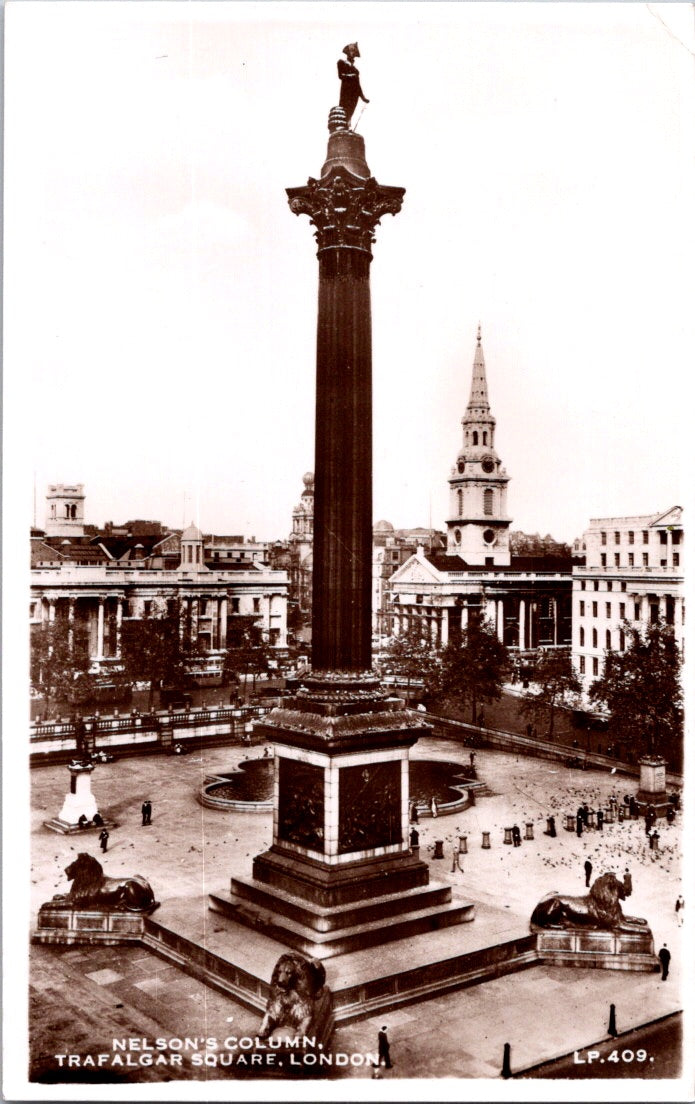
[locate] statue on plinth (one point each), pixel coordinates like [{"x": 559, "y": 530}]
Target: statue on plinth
[
  {"x": 350, "y": 87},
  {"x": 91, "y": 888},
  {"x": 600, "y": 908}
]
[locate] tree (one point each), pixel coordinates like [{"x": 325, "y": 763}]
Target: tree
[
  {"x": 474, "y": 667},
  {"x": 59, "y": 660},
  {"x": 641, "y": 688},
  {"x": 412, "y": 656},
  {"x": 247, "y": 652},
  {"x": 152, "y": 652},
  {"x": 556, "y": 682}
]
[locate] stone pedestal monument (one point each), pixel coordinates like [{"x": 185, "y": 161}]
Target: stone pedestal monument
[
  {"x": 652, "y": 785},
  {"x": 340, "y": 873},
  {"x": 79, "y": 800}
]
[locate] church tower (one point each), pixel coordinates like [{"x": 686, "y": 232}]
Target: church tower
[{"x": 478, "y": 526}]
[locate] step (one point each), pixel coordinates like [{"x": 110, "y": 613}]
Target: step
[
  {"x": 324, "y": 919},
  {"x": 353, "y": 937}
]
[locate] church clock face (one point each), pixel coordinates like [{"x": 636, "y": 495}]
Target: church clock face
[
  {"x": 489, "y": 536},
  {"x": 488, "y": 464}
]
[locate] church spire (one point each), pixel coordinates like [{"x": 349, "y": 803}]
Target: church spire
[{"x": 478, "y": 404}]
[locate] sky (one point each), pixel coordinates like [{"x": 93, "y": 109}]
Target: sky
[{"x": 160, "y": 297}]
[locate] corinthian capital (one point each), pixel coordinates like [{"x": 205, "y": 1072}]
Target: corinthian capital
[{"x": 344, "y": 208}]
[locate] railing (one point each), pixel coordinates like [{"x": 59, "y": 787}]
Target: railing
[{"x": 42, "y": 731}]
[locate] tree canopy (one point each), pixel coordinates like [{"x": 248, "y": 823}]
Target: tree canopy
[
  {"x": 555, "y": 683},
  {"x": 474, "y": 668},
  {"x": 152, "y": 651},
  {"x": 411, "y": 656},
  {"x": 247, "y": 651},
  {"x": 641, "y": 688},
  {"x": 59, "y": 660}
]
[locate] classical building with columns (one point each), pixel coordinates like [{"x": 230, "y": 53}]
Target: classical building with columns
[
  {"x": 101, "y": 580},
  {"x": 527, "y": 598},
  {"x": 633, "y": 575}
]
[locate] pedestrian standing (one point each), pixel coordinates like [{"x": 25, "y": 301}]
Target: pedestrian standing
[
  {"x": 414, "y": 838},
  {"x": 414, "y": 817},
  {"x": 146, "y": 811},
  {"x": 454, "y": 860},
  {"x": 627, "y": 882},
  {"x": 580, "y": 826},
  {"x": 433, "y": 806},
  {"x": 516, "y": 835},
  {"x": 384, "y": 1049},
  {"x": 680, "y": 905},
  {"x": 103, "y": 839},
  {"x": 587, "y": 871},
  {"x": 599, "y": 820},
  {"x": 472, "y": 759},
  {"x": 665, "y": 960}
]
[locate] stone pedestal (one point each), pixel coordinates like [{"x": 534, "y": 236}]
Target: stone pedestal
[
  {"x": 79, "y": 800},
  {"x": 652, "y": 785},
  {"x": 67, "y": 924},
  {"x": 340, "y": 874},
  {"x": 608, "y": 950}
]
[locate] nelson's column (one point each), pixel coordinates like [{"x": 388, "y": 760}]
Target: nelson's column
[{"x": 341, "y": 874}]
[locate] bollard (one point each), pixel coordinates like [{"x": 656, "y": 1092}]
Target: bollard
[
  {"x": 529, "y": 830},
  {"x": 507, "y": 1061},
  {"x": 571, "y": 822},
  {"x": 438, "y": 849},
  {"x": 507, "y": 835},
  {"x": 486, "y": 841},
  {"x": 463, "y": 845},
  {"x": 612, "y": 1029}
]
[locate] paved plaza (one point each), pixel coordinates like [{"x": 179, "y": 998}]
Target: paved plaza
[{"x": 83, "y": 997}]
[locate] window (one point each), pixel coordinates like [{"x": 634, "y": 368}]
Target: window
[
  {"x": 603, "y": 559},
  {"x": 676, "y": 536},
  {"x": 487, "y": 502},
  {"x": 623, "y": 586},
  {"x": 645, "y": 536},
  {"x": 581, "y": 609},
  {"x": 608, "y": 609},
  {"x": 581, "y": 637},
  {"x": 616, "y": 537},
  {"x": 603, "y": 538},
  {"x": 594, "y": 609},
  {"x": 594, "y": 638},
  {"x": 616, "y": 558},
  {"x": 653, "y": 612},
  {"x": 609, "y": 585},
  {"x": 631, "y": 559},
  {"x": 475, "y": 436},
  {"x": 582, "y": 585},
  {"x": 608, "y": 638},
  {"x": 663, "y": 563},
  {"x": 582, "y": 665},
  {"x": 663, "y": 536},
  {"x": 256, "y": 605},
  {"x": 594, "y": 665},
  {"x": 235, "y": 605},
  {"x": 146, "y": 608},
  {"x": 621, "y": 636},
  {"x": 631, "y": 536},
  {"x": 645, "y": 559},
  {"x": 622, "y": 611},
  {"x": 484, "y": 438},
  {"x": 595, "y": 584},
  {"x": 676, "y": 559},
  {"x": 460, "y": 500},
  {"x": 418, "y": 599},
  {"x": 638, "y": 611}
]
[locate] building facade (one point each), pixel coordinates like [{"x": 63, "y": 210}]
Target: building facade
[
  {"x": 528, "y": 599},
  {"x": 633, "y": 576},
  {"x": 102, "y": 580}
]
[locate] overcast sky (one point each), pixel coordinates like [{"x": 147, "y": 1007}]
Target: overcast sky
[{"x": 160, "y": 297}]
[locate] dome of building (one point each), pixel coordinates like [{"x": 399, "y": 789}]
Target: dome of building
[
  {"x": 192, "y": 533},
  {"x": 308, "y": 479},
  {"x": 383, "y": 527}
]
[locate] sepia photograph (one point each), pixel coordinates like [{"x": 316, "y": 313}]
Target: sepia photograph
[{"x": 346, "y": 434}]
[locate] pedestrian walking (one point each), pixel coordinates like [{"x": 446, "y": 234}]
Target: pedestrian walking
[
  {"x": 384, "y": 1049},
  {"x": 103, "y": 839},
  {"x": 627, "y": 882},
  {"x": 434, "y": 807},
  {"x": 587, "y": 871},
  {"x": 414, "y": 838},
  {"x": 414, "y": 818},
  {"x": 454, "y": 860},
  {"x": 680, "y": 905},
  {"x": 146, "y": 812},
  {"x": 472, "y": 759},
  {"x": 665, "y": 960},
  {"x": 585, "y": 815},
  {"x": 599, "y": 820},
  {"x": 516, "y": 835},
  {"x": 580, "y": 826}
]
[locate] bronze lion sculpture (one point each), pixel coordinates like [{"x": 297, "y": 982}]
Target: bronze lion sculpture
[
  {"x": 91, "y": 888},
  {"x": 294, "y": 988},
  {"x": 600, "y": 908}
]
